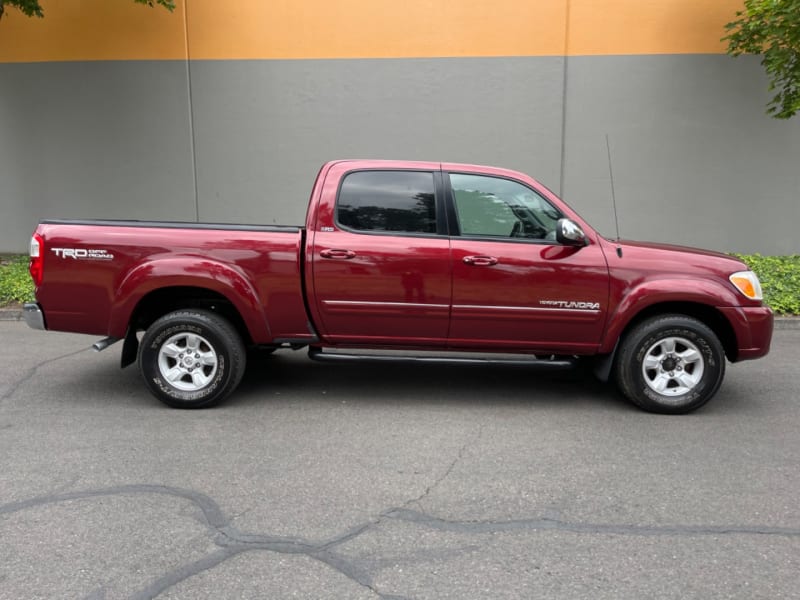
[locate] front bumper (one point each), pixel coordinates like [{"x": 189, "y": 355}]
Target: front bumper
[
  {"x": 33, "y": 315},
  {"x": 753, "y": 328}
]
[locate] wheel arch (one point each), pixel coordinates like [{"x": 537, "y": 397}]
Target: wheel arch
[
  {"x": 708, "y": 315},
  {"x": 161, "y": 301},
  {"x": 181, "y": 271},
  {"x": 165, "y": 300}
]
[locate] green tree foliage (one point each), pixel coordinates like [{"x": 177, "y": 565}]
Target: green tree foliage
[
  {"x": 16, "y": 285},
  {"x": 32, "y": 8},
  {"x": 771, "y": 28},
  {"x": 780, "y": 280}
]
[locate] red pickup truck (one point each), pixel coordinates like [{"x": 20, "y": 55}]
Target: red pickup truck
[{"x": 397, "y": 255}]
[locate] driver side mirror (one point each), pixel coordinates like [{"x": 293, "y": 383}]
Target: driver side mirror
[{"x": 569, "y": 233}]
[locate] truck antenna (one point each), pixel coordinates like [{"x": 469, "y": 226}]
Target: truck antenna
[{"x": 613, "y": 195}]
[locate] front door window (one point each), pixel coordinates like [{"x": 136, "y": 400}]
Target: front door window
[{"x": 496, "y": 207}]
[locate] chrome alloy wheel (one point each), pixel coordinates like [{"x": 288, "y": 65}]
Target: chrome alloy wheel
[
  {"x": 187, "y": 361},
  {"x": 673, "y": 366}
]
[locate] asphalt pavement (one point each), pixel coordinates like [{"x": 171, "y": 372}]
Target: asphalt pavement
[{"x": 391, "y": 481}]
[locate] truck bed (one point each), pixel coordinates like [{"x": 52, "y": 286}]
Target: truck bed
[
  {"x": 175, "y": 225},
  {"x": 98, "y": 271}
]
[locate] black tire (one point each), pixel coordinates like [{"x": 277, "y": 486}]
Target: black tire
[
  {"x": 671, "y": 364},
  {"x": 201, "y": 378}
]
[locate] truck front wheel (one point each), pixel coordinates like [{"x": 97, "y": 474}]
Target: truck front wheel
[
  {"x": 670, "y": 364},
  {"x": 191, "y": 359}
]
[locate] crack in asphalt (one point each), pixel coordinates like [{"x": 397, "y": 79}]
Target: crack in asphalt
[
  {"x": 459, "y": 457},
  {"x": 231, "y": 542},
  {"x": 184, "y": 572},
  {"x": 543, "y": 524},
  {"x": 32, "y": 371},
  {"x": 227, "y": 537}
]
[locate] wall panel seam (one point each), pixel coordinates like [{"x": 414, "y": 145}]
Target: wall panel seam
[
  {"x": 564, "y": 99},
  {"x": 191, "y": 112}
]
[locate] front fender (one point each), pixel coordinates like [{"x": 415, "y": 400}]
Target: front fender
[
  {"x": 646, "y": 294},
  {"x": 187, "y": 271}
]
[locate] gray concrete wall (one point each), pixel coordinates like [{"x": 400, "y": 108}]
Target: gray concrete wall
[
  {"x": 263, "y": 128},
  {"x": 96, "y": 139},
  {"x": 695, "y": 160}
]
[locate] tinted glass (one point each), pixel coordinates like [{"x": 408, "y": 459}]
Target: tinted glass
[
  {"x": 401, "y": 201},
  {"x": 495, "y": 207}
]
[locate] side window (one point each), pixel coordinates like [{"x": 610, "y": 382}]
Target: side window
[
  {"x": 496, "y": 207},
  {"x": 400, "y": 201}
]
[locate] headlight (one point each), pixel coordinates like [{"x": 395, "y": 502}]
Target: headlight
[{"x": 747, "y": 283}]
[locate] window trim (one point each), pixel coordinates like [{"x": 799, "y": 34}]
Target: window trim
[
  {"x": 455, "y": 224},
  {"x": 439, "y": 204}
]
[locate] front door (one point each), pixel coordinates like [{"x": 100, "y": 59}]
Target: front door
[{"x": 514, "y": 286}]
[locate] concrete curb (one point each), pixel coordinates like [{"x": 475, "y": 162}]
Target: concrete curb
[
  {"x": 10, "y": 314},
  {"x": 787, "y": 323},
  {"x": 781, "y": 323}
]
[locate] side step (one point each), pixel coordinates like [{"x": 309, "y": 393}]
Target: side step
[{"x": 549, "y": 363}]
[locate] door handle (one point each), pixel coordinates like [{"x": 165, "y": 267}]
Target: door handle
[
  {"x": 337, "y": 253},
  {"x": 480, "y": 261}
]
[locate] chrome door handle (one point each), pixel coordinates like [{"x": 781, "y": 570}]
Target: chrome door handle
[
  {"x": 480, "y": 261},
  {"x": 337, "y": 253}
]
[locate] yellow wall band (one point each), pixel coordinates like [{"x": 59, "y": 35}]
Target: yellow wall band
[
  {"x": 75, "y": 30},
  {"x": 649, "y": 26},
  {"x": 93, "y": 30}
]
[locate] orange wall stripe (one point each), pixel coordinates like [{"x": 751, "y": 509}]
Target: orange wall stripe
[
  {"x": 376, "y": 28},
  {"x": 73, "y": 30},
  {"x": 301, "y": 29},
  {"x": 649, "y": 26}
]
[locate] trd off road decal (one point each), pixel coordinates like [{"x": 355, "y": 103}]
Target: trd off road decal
[{"x": 83, "y": 253}]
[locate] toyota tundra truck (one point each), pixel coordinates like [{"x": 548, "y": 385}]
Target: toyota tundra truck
[{"x": 422, "y": 259}]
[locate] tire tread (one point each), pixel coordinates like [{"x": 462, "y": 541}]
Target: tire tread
[
  {"x": 629, "y": 344},
  {"x": 220, "y": 327}
]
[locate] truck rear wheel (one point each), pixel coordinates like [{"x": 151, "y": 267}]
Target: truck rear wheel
[
  {"x": 671, "y": 364},
  {"x": 191, "y": 359}
]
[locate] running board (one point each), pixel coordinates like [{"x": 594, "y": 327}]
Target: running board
[{"x": 554, "y": 362}]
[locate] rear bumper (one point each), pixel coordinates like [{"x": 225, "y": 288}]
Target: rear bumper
[
  {"x": 753, "y": 328},
  {"x": 33, "y": 315}
]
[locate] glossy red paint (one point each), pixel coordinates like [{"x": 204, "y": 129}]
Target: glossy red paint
[
  {"x": 258, "y": 272},
  {"x": 528, "y": 299},
  {"x": 646, "y": 276},
  {"x": 753, "y": 326},
  {"x": 329, "y": 286},
  {"x": 390, "y": 290}
]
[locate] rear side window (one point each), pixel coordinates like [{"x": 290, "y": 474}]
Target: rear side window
[{"x": 399, "y": 201}]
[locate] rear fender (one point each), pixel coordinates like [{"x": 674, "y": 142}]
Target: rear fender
[{"x": 188, "y": 271}]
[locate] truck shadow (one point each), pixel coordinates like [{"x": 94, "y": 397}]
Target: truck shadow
[{"x": 286, "y": 376}]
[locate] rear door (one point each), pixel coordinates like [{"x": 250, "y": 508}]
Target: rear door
[
  {"x": 514, "y": 286},
  {"x": 381, "y": 258}
]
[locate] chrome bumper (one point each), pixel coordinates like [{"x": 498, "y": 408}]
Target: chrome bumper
[{"x": 34, "y": 316}]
